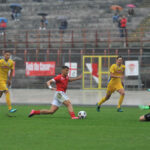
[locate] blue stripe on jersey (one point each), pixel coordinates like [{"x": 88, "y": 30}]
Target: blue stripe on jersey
[{"x": 109, "y": 79}]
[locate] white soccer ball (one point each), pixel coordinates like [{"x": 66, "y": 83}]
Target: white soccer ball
[{"x": 82, "y": 114}]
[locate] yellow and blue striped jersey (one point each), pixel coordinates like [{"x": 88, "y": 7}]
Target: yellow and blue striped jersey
[
  {"x": 5, "y": 66},
  {"x": 117, "y": 71}
]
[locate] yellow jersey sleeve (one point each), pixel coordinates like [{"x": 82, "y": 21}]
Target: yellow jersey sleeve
[
  {"x": 112, "y": 68},
  {"x": 0, "y": 62}
]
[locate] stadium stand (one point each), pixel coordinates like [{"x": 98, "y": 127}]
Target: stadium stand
[
  {"x": 90, "y": 15},
  {"x": 90, "y": 31}
]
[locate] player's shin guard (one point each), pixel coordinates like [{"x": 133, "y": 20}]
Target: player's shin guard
[
  {"x": 120, "y": 101},
  {"x": 8, "y": 100},
  {"x": 102, "y": 101}
]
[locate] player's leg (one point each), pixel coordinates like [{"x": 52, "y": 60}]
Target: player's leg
[
  {"x": 8, "y": 101},
  {"x": 122, "y": 94},
  {"x": 1, "y": 93},
  {"x": 108, "y": 95},
  {"x": 145, "y": 117},
  {"x": 4, "y": 89},
  {"x": 54, "y": 107},
  {"x": 7, "y": 96},
  {"x": 52, "y": 110},
  {"x": 68, "y": 104}
]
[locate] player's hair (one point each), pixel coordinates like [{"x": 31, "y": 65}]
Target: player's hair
[
  {"x": 119, "y": 57},
  {"x": 6, "y": 51},
  {"x": 64, "y": 67}
]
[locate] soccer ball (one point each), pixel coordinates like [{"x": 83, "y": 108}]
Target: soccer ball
[{"x": 82, "y": 114}]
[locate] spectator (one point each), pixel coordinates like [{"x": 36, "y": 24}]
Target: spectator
[
  {"x": 123, "y": 26},
  {"x": 3, "y": 26},
  {"x": 44, "y": 23},
  {"x": 63, "y": 25},
  {"x": 115, "y": 18},
  {"x": 13, "y": 14},
  {"x": 119, "y": 25},
  {"x": 131, "y": 12},
  {"x": 16, "y": 13}
]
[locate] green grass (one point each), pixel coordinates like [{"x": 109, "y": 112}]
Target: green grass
[{"x": 106, "y": 130}]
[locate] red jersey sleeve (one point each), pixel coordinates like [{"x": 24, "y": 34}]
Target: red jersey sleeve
[{"x": 57, "y": 78}]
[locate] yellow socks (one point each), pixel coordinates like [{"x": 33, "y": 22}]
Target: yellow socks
[
  {"x": 102, "y": 101},
  {"x": 120, "y": 101},
  {"x": 8, "y": 100}
]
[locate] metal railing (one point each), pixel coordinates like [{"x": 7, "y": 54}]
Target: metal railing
[{"x": 83, "y": 38}]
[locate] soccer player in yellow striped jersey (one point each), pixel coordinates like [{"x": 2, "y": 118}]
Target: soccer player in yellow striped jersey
[
  {"x": 6, "y": 65},
  {"x": 115, "y": 83}
]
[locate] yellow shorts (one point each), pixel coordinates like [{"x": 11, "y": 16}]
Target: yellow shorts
[
  {"x": 3, "y": 86},
  {"x": 114, "y": 87}
]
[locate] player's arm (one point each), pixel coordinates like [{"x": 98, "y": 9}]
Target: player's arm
[
  {"x": 10, "y": 77},
  {"x": 11, "y": 74},
  {"x": 122, "y": 76},
  {"x": 74, "y": 79},
  {"x": 49, "y": 84},
  {"x": 122, "y": 79},
  {"x": 112, "y": 75}
]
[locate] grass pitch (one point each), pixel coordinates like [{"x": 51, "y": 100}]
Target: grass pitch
[{"x": 106, "y": 130}]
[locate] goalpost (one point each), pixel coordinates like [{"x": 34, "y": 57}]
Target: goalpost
[{"x": 96, "y": 71}]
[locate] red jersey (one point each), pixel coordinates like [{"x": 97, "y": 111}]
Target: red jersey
[
  {"x": 3, "y": 25},
  {"x": 123, "y": 22},
  {"x": 61, "y": 82}
]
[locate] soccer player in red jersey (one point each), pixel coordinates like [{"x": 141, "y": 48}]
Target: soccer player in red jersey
[{"x": 60, "y": 97}]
